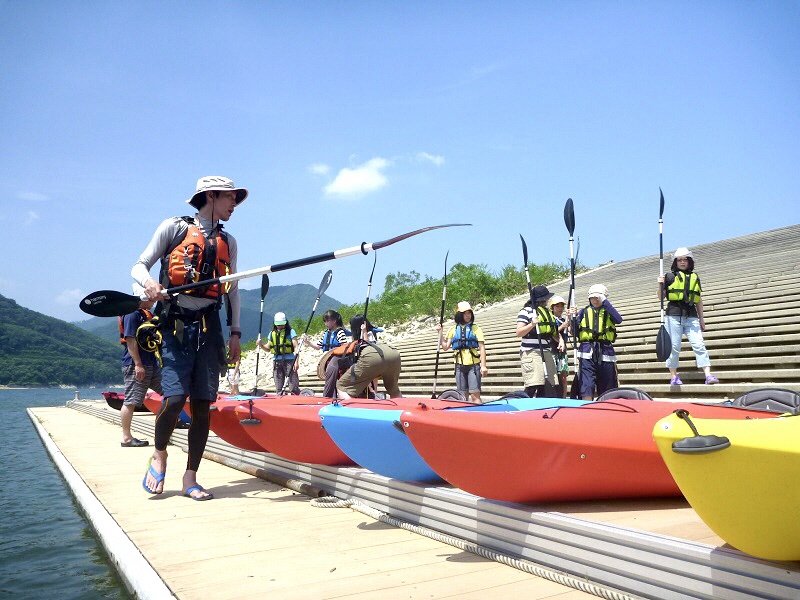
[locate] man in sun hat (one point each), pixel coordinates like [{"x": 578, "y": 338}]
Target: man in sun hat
[
  {"x": 191, "y": 249},
  {"x": 468, "y": 343},
  {"x": 537, "y": 327}
]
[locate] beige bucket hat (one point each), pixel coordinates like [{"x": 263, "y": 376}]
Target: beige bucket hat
[{"x": 216, "y": 183}]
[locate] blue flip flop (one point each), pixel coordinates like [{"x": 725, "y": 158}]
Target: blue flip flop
[
  {"x": 198, "y": 488},
  {"x": 151, "y": 471}
]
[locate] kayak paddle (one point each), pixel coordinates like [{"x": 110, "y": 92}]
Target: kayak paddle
[
  {"x": 663, "y": 341},
  {"x": 441, "y": 322},
  {"x": 569, "y": 221},
  {"x": 326, "y": 281},
  {"x": 110, "y": 303},
  {"x": 264, "y": 290},
  {"x": 549, "y": 390}
]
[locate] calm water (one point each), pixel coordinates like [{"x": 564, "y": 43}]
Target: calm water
[{"x": 47, "y": 549}]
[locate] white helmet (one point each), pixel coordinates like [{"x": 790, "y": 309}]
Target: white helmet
[
  {"x": 598, "y": 289},
  {"x": 683, "y": 252},
  {"x": 279, "y": 319}
]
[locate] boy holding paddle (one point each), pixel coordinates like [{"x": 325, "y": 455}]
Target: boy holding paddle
[{"x": 192, "y": 249}]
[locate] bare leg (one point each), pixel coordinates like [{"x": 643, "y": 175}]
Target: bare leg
[{"x": 126, "y": 416}]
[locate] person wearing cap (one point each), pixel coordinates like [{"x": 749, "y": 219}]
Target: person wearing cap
[
  {"x": 469, "y": 352},
  {"x": 536, "y": 325},
  {"x": 191, "y": 249},
  {"x": 367, "y": 361},
  {"x": 597, "y": 331},
  {"x": 140, "y": 369},
  {"x": 684, "y": 314},
  {"x": 282, "y": 343},
  {"x": 557, "y": 305}
]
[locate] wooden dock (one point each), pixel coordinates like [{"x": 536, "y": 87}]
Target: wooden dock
[{"x": 259, "y": 540}]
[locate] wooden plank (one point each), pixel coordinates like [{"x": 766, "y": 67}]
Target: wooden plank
[{"x": 256, "y": 539}]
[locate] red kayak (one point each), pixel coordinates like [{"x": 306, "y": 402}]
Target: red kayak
[
  {"x": 289, "y": 426},
  {"x": 597, "y": 451},
  {"x": 116, "y": 399}
]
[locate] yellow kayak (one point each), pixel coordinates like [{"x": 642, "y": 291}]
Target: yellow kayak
[{"x": 741, "y": 477}]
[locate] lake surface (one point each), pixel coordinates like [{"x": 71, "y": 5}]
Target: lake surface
[{"x": 47, "y": 548}]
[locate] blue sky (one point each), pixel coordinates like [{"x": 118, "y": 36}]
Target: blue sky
[{"x": 357, "y": 121}]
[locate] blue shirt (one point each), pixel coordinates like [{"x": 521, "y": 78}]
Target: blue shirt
[{"x": 130, "y": 323}]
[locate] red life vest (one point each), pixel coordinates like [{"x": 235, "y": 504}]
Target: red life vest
[
  {"x": 196, "y": 258},
  {"x": 147, "y": 316}
]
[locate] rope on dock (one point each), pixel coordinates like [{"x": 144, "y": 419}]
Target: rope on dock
[{"x": 517, "y": 563}]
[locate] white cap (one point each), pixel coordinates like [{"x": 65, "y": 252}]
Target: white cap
[
  {"x": 557, "y": 300},
  {"x": 683, "y": 253},
  {"x": 280, "y": 319},
  {"x": 597, "y": 290},
  {"x": 463, "y": 306}
]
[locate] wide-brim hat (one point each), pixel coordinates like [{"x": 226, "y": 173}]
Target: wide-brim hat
[
  {"x": 541, "y": 293},
  {"x": 216, "y": 183}
]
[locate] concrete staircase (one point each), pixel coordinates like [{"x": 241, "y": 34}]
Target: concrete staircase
[{"x": 751, "y": 294}]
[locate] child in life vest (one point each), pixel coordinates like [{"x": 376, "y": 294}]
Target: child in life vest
[
  {"x": 467, "y": 341},
  {"x": 597, "y": 331},
  {"x": 335, "y": 335},
  {"x": 282, "y": 343},
  {"x": 557, "y": 305},
  {"x": 684, "y": 314}
]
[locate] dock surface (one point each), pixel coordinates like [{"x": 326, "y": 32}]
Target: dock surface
[{"x": 259, "y": 540}]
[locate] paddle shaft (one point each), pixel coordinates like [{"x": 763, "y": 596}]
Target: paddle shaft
[
  {"x": 441, "y": 323},
  {"x": 264, "y": 290},
  {"x": 533, "y": 307},
  {"x": 109, "y": 303},
  {"x": 569, "y": 221}
]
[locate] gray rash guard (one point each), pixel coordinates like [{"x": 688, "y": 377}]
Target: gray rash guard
[{"x": 166, "y": 233}]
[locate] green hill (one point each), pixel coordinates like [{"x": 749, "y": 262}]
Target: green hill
[
  {"x": 295, "y": 300},
  {"x": 37, "y": 350}
]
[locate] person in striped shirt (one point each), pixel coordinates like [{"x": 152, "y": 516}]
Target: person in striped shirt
[{"x": 335, "y": 335}]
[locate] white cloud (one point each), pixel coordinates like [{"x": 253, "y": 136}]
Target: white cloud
[
  {"x": 319, "y": 169},
  {"x": 69, "y": 297},
  {"x": 363, "y": 179},
  {"x": 31, "y": 217},
  {"x": 436, "y": 159},
  {"x": 32, "y": 196}
]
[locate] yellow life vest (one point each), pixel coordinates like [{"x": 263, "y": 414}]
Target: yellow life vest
[
  {"x": 281, "y": 344},
  {"x": 684, "y": 288},
  {"x": 547, "y": 322},
  {"x": 596, "y": 326}
]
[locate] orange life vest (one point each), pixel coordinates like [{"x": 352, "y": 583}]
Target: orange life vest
[
  {"x": 147, "y": 316},
  {"x": 196, "y": 258}
]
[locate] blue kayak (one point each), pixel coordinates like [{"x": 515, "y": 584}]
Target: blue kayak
[{"x": 370, "y": 434}]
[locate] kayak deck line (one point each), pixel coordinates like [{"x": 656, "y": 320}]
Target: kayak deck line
[
  {"x": 650, "y": 548},
  {"x": 258, "y": 539}
]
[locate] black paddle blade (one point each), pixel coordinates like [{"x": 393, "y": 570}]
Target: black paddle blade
[
  {"x": 663, "y": 344},
  {"x": 524, "y": 251},
  {"x": 109, "y": 303},
  {"x": 569, "y": 216},
  {"x": 661, "y": 210},
  {"x": 326, "y": 281},
  {"x": 389, "y": 242},
  {"x": 265, "y": 285}
]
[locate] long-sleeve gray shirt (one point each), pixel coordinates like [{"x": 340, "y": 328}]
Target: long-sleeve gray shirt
[{"x": 165, "y": 234}]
